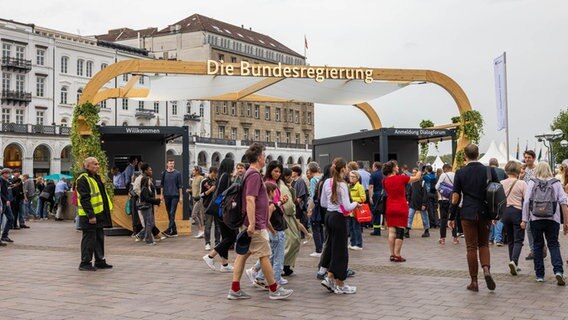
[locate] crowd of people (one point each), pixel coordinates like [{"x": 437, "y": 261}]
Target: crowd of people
[
  {"x": 282, "y": 209},
  {"x": 25, "y": 199}
]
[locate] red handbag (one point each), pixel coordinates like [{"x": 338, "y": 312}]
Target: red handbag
[{"x": 363, "y": 213}]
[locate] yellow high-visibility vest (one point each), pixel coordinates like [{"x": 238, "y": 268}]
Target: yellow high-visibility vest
[{"x": 96, "y": 196}]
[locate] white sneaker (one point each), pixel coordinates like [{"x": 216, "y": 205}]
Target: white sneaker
[
  {"x": 260, "y": 284},
  {"x": 356, "y": 248},
  {"x": 560, "y": 280},
  {"x": 228, "y": 268},
  {"x": 251, "y": 275},
  {"x": 513, "y": 268},
  {"x": 539, "y": 279},
  {"x": 346, "y": 289},
  {"x": 237, "y": 295},
  {"x": 207, "y": 247},
  {"x": 329, "y": 284},
  {"x": 209, "y": 262},
  {"x": 283, "y": 282},
  {"x": 200, "y": 235},
  {"x": 315, "y": 254},
  {"x": 280, "y": 293},
  {"x": 350, "y": 247}
]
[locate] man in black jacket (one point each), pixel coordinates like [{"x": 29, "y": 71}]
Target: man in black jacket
[
  {"x": 94, "y": 206},
  {"x": 470, "y": 182},
  {"x": 6, "y": 210}
]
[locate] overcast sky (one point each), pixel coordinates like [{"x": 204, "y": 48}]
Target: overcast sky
[{"x": 458, "y": 38}]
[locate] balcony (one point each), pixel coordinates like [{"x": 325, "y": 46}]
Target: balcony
[
  {"x": 293, "y": 145},
  {"x": 16, "y": 96},
  {"x": 32, "y": 129},
  {"x": 264, "y": 143},
  {"x": 145, "y": 114},
  {"x": 191, "y": 117},
  {"x": 16, "y": 64},
  {"x": 215, "y": 141}
]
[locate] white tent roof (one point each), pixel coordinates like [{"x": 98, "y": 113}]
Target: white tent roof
[
  {"x": 438, "y": 163},
  {"x": 330, "y": 91},
  {"x": 493, "y": 152}
]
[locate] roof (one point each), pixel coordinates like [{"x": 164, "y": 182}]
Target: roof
[
  {"x": 126, "y": 33},
  {"x": 200, "y": 23}
]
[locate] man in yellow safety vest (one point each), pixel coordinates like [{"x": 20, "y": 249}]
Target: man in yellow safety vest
[{"x": 94, "y": 207}]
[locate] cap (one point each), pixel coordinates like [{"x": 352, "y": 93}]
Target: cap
[
  {"x": 243, "y": 243},
  {"x": 6, "y": 170}
]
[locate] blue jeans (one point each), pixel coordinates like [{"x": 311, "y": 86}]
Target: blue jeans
[
  {"x": 171, "y": 207},
  {"x": 28, "y": 209},
  {"x": 355, "y": 232},
  {"x": 549, "y": 229},
  {"x": 423, "y": 213},
  {"x": 496, "y": 232},
  {"x": 277, "y": 245},
  {"x": 7, "y": 212}
]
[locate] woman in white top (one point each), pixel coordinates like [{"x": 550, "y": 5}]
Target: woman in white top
[
  {"x": 335, "y": 258},
  {"x": 448, "y": 179},
  {"x": 515, "y": 190},
  {"x": 544, "y": 220}
]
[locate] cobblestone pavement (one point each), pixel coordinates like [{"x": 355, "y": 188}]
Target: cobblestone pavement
[{"x": 170, "y": 281}]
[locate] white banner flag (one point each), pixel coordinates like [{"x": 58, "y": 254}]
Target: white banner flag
[{"x": 500, "y": 67}]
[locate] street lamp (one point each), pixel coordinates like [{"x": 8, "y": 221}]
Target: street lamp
[{"x": 550, "y": 137}]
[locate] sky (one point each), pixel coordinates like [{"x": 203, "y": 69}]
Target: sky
[{"x": 458, "y": 38}]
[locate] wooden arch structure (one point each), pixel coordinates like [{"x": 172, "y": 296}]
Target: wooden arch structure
[{"x": 93, "y": 93}]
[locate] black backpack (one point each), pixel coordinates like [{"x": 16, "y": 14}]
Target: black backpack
[
  {"x": 495, "y": 198},
  {"x": 234, "y": 211}
]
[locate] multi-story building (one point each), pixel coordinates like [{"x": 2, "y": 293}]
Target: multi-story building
[
  {"x": 281, "y": 126},
  {"x": 44, "y": 72}
]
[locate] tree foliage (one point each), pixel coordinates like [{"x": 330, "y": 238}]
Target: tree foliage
[
  {"x": 471, "y": 125},
  {"x": 88, "y": 146},
  {"x": 424, "y": 147},
  {"x": 560, "y": 122}
]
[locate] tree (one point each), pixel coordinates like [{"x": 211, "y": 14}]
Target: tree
[
  {"x": 560, "y": 122},
  {"x": 424, "y": 147}
]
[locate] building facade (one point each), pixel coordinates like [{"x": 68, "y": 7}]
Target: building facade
[{"x": 44, "y": 72}]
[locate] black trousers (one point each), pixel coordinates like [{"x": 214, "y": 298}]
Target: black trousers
[
  {"x": 444, "y": 214},
  {"x": 228, "y": 238},
  {"x": 335, "y": 256},
  {"x": 136, "y": 223},
  {"x": 515, "y": 235},
  {"x": 15, "y": 206},
  {"x": 93, "y": 242},
  {"x": 433, "y": 212}
]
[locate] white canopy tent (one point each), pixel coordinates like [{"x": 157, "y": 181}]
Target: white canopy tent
[
  {"x": 438, "y": 163},
  {"x": 493, "y": 152}
]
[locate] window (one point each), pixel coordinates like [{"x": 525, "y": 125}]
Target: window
[
  {"x": 125, "y": 104},
  {"x": 6, "y": 79},
  {"x": 64, "y": 122},
  {"x": 278, "y": 136},
  {"x": 19, "y": 116},
  {"x": 221, "y": 132},
  {"x": 290, "y": 114},
  {"x": 125, "y": 77},
  {"x": 245, "y": 134},
  {"x": 89, "y": 72},
  {"x": 79, "y": 93},
  {"x": 256, "y": 135},
  {"x": 188, "y": 106},
  {"x": 40, "y": 56},
  {"x": 6, "y": 50},
  {"x": 309, "y": 118},
  {"x": 266, "y": 113},
  {"x": 80, "y": 64},
  {"x": 217, "y": 108},
  {"x": 103, "y": 104},
  {"x": 156, "y": 106},
  {"x": 297, "y": 116},
  {"x": 174, "y": 107},
  {"x": 201, "y": 110},
  {"x": 267, "y": 136},
  {"x": 20, "y": 52},
  {"x": 141, "y": 80},
  {"x": 287, "y": 137},
  {"x": 225, "y": 111},
  {"x": 5, "y": 115},
  {"x": 297, "y": 138},
  {"x": 233, "y": 108},
  {"x": 63, "y": 95},
  {"x": 39, "y": 117},
  {"x": 306, "y": 139},
  {"x": 221, "y": 57},
  {"x": 277, "y": 116},
  {"x": 40, "y": 86},
  {"x": 103, "y": 65},
  {"x": 64, "y": 64},
  {"x": 125, "y": 124},
  {"x": 233, "y": 133},
  {"x": 20, "y": 80},
  {"x": 249, "y": 109},
  {"x": 233, "y": 59},
  {"x": 140, "y": 105}
]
